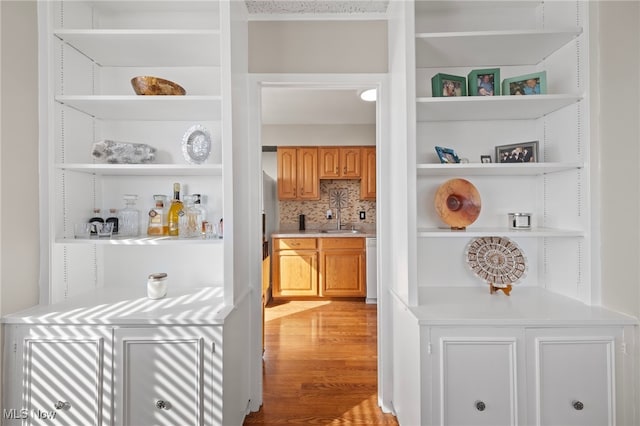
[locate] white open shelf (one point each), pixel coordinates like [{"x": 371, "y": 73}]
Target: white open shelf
[
  {"x": 474, "y": 108},
  {"x": 145, "y": 169},
  {"x": 139, "y": 241},
  {"x": 153, "y": 108},
  {"x": 488, "y": 48},
  {"x": 495, "y": 169},
  {"x": 474, "y": 232},
  {"x": 145, "y": 48}
]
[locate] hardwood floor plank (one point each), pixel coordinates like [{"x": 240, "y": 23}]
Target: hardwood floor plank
[{"x": 320, "y": 365}]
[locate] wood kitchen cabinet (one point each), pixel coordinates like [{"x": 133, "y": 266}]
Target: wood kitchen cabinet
[
  {"x": 342, "y": 267},
  {"x": 319, "y": 267},
  {"x": 368, "y": 173},
  {"x": 339, "y": 162},
  {"x": 295, "y": 267},
  {"x": 298, "y": 173}
]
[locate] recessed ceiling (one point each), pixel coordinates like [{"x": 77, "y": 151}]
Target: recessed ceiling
[
  {"x": 279, "y": 7},
  {"x": 315, "y": 106}
]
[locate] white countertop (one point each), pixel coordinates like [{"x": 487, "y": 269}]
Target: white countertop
[
  {"x": 447, "y": 306},
  {"x": 189, "y": 306}
]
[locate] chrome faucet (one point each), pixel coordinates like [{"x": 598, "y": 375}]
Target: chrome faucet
[{"x": 338, "y": 199}]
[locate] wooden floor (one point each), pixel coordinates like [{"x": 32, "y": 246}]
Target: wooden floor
[{"x": 320, "y": 365}]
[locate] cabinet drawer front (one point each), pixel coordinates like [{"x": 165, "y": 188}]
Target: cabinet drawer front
[
  {"x": 294, "y": 244},
  {"x": 342, "y": 243}
]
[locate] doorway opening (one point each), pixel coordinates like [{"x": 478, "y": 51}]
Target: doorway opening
[{"x": 312, "y": 114}]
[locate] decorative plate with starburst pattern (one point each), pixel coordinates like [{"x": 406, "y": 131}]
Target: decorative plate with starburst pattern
[{"x": 496, "y": 260}]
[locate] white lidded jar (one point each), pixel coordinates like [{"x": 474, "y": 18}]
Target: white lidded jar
[{"x": 157, "y": 285}]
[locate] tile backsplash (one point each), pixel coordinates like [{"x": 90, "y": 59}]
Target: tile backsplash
[{"x": 315, "y": 211}]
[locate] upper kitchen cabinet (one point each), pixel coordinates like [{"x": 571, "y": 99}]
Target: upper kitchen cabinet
[
  {"x": 368, "y": 179},
  {"x": 339, "y": 162},
  {"x": 298, "y": 173}
]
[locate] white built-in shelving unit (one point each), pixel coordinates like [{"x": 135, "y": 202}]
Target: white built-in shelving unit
[{"x": 494, "y": 358}]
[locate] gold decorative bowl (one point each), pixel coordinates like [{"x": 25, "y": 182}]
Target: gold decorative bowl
[{"x": 154, "y": 86}]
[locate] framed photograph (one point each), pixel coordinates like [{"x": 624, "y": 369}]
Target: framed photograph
[
  {"x": 529, "y": 84},
  {"x": 484, "y": 82},
  {"x": 447, "y": 155},
  {"x": 446, "y": 85},
  {"x": 485, "y": 158},
  {"x": 525, "y": 152}
]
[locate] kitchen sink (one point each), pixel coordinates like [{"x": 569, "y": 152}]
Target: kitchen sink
[{"x": 340, "y": 231}]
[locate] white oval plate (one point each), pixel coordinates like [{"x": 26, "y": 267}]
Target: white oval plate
[{"x": 196, "y": 144}]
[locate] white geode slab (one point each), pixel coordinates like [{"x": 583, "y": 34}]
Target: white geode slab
[{"x": 123, "y": 152}]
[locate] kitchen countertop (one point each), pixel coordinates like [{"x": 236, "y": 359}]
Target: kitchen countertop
[{"x": 317, "y": 233}]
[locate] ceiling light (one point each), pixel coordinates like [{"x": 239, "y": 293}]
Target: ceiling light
[{"x": 369, "y": 95}]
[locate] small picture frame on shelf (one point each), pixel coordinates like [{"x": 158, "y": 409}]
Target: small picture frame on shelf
[
  {"x": 524, "y": 152},
  {"x": 447, "y": 85},
  {"x": 485, "y": 159},
  {"x": 447, "y": 155},
  {"x": 528, "y": 84},
  {"x": 485, "y": 82}
]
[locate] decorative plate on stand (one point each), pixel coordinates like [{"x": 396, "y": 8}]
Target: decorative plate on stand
[
  {"x": 496, "y": 260},
  {"x": 457, "y": 202},
  {"x": 196, "y": 144}
]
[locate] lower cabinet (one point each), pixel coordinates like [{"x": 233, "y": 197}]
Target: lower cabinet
[
  {"x": 113, "y": 375},
  {"x": 65, "y": 376},
  {"x": 513, "y": 376},
  {"x": 162, "y": 376},
  {"x": 319, "y": 267},
  {"x": 342, "y": 267}
]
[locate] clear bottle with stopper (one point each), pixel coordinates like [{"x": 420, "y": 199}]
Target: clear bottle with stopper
[
  {"x": 113, "y": 218},
  {"x": 191, "y": 220},
  {"x": 129, "y": 217},
  {"x": 197, "y": 201},
  {"x": 158, "y": 224}
]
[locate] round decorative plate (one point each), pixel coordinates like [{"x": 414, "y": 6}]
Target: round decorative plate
[
  {"x": 458, "y": 203},
  {"x": 196, "y": 144},
  {"x": 497, "y": 260}
]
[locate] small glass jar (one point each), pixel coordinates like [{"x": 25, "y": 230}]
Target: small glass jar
[{"x": 157, "y": 285}]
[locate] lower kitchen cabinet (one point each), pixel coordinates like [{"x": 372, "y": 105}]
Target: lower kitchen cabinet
[
  {"x": 342, "y": 267},
  {"x": 319, "y": 267},
  {"x": 295, "y": 267},
  {"x": 551, "y": 376}
]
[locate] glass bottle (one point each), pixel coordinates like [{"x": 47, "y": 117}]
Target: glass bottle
[
  {"x": 113, "y": 218},
  {"x": 197, "y": 201},
  {"x": 175, "y": 211},
  {"x": 95, "y": 221},
  {"x": 158, "y": 224},
  {"x": 190, "y": 221},
  {"x": 129, "y": 217}
]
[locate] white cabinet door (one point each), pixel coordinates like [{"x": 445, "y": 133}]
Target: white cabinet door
[
  {"x": 475, "y": 377},
  {"x": 64, "y": 370},
  {"x": 571, "y": 376},
  {"x": 160, "y": 376}
]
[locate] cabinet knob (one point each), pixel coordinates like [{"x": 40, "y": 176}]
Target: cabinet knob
[
  {"x": 345, "y": 170},
  {"x": 162, "y": 405},
  {"x": 480, "y": 406},
  {"x": 577, "y": 405},
  {"x": 62, "y": 405}
]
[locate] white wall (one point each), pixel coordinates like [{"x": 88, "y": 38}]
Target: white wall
[
  {"x": 616, "y": 139},
  {"x": 19, "y": 234}
]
